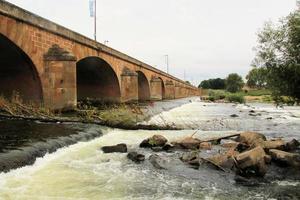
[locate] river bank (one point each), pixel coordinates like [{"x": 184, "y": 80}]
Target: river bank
[{"x": 124, "y": 116}]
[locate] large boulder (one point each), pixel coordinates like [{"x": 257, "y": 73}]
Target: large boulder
[
  {"x": 285, "y": 158},
  {"x": 136, "y": 157},
  {"x": 119, "y": 148},
  {"x": 154, "y": 141},
  {"x": 252, "y": 162},
  {"x": 252, "y": 139},
  {"x": 187, "y": 143},
  {"x": 274, "y": 144},
  {"x": 222, "y": 161}
]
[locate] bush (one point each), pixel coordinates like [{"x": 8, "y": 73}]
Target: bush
[
  {"x": 216, "y": 94},
  {"x": 236, "y": 98}
]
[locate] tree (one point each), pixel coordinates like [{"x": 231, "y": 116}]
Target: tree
[
  {"x": 204, "y": 84},
  {"x": 278, "y": 54},
  {"x": 217, "y": 83},
  {"x": 256, "y": 77},
  {"x": 234, "y": 83}
]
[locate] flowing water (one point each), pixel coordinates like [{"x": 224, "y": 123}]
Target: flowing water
[{"x": 81, "y": 171}]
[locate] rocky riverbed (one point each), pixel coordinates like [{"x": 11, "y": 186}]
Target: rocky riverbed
[{"x": 84, "y": 171}]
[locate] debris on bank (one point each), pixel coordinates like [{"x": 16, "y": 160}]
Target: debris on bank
[{"x": 124, "y": 116}]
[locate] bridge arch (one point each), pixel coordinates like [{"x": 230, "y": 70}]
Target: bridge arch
[
  {"x": 97, "y": 80},
  {"x": 18, "y": 74},
  {"x": 143, "y": 87}
]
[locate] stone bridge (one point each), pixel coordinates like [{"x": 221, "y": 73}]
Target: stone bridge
[{"x": 51, "y": 65}]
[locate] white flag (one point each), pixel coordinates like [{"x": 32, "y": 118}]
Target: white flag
[{"x": 92, "y": 8}]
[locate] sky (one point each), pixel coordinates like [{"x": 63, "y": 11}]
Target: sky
[{"x": 203, "y": 38}]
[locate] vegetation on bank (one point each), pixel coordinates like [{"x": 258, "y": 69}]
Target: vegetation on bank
[
  {"x": 277, "y": 62},
  {"x": 263, "y": 96},
  {"x": 275, "y": 76},
  {"x": 126, "y": 116}
]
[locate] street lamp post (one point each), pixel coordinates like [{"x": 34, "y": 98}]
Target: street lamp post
[{"x": 167, "y": 62}]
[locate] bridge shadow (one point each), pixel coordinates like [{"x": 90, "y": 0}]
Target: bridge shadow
[
  {"x": 97, "y": 80},
  {"x": 18, "y": 74}
]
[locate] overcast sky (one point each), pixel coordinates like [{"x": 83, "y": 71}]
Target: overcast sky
[{"x": 205, "y": 38}]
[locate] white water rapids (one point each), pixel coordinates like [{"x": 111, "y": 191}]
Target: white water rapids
[{"x": 82, "y": 171}]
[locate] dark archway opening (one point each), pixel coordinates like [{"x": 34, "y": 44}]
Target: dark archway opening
[
  {"x": 18, "y": 74},
  {"x": 144, "y": 88},
  {"x": 97, "y": 80}
]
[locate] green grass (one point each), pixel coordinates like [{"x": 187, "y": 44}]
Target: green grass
[
  {"x": 261, "y": 92},
  {"x": 235, "y": 98},
  {"x": 262, "y": 95}
]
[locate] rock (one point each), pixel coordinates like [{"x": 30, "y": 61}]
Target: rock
[
  {"x": 205, "y": 146},
  {"x": 241, "y": 147},
  {"x": 274, "y": 144},
  {"x": 234, "y": 115},
  {"x": 232, "y": 152},
  {"x": 245, "y": 181},
  {"x": 136, "y": 157},
  {"x": 187, "y": 143},
  {"x": 158, "y": 162},
  {"x": 216, "y": 142},
  {"x": 252, "y": 162},
  {"x": 252, "y": 111},
  {"x": 119, "y": 148},
  {"x": 168, "y": 147},
  {"x": 292, "y": 145},
  {"x": 189, "y": 156},
  {"x": 230, "y": 145},
  {"x": 285, "y": 158},
  {"x": 222, "y": 160},
  {"x": 154, "y": 141},
  {"x": 252, "y": 139}
]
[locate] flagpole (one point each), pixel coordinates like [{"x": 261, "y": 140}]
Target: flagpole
[{"x": 95, "y": 21}]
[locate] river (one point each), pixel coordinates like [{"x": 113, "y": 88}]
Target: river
[{"x": 75, "y": 168}]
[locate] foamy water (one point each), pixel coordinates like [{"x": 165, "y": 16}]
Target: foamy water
[{"x": 82, "y": 171}]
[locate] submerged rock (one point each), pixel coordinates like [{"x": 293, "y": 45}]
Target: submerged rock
[
  {"x": 252, "y": 162},
  {"x": 292, "y": 145},
  {"x": 190, "y": 156},
  {"x": 245, "y": 181},
  {"x": 234, "y": 115},
  {"x": 285, "y": 158},
  {"x": 119, "y": 148},
  {"x": 158, "y": 162},
  {"x": 136, "y": 157},
  {"x": 154, "y": 141}
]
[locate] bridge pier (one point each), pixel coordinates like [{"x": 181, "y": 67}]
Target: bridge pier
[
  {"x": 170, "y": 90},
  {"x": 129, "y": 86},
  {"x": 156, "y": 89},
  {"x": 60, "y": 75}
]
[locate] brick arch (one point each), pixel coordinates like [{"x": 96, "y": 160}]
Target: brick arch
[
  {"x": 18, "y": 73},
  {"x": 96, "y": 79},
  {"x": 143, "y": 87}
]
